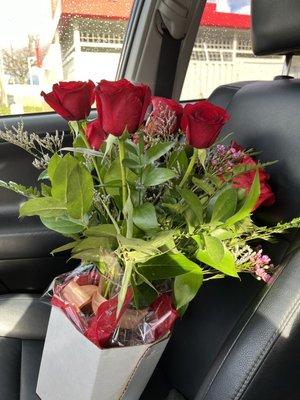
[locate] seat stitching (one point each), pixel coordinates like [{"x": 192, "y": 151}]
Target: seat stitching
[
  {"x": 21, "y": 359},
  {"x": 266, "y": 348}
]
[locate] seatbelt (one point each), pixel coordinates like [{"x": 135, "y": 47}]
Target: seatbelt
[{"x": 167, "y": 65}]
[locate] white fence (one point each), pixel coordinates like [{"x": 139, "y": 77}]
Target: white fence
[{"x": 204, "y": 76}]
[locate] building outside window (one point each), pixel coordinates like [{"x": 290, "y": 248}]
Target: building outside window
[{"x": 44, "y": 41}]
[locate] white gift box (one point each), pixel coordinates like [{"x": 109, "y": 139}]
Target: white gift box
[{"x": 73, "y": 368}]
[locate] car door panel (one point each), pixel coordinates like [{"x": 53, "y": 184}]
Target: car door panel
[{"x": 25, "y": 244}]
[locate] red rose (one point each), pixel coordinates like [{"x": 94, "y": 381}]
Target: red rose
[
  {"x": 95, "y": 134},
  {"x": 71, "y": 100},
  {"x": 122, "y": 105},
  {"x": 245, "y": 180},
  {"x": 202, "y": 123}
]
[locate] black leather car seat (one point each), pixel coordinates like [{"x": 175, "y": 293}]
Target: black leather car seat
[
  {"x": 238, "y": 340},
  {"x": 241, "y": 341}
]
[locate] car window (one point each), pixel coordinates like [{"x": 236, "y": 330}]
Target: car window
[
  {"x": 222, "y": 51},
  {"x": 45, "y": 41}
]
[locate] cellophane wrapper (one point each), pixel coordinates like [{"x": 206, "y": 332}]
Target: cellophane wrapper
[{"x": 77, "y": 294}]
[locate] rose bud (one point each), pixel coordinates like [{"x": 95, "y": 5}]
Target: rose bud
[
  {"x": 202, "y": 123},
  {"x": 95, "y": 134},
  {"x": 71, "y": 100},
  {"x": 166, "y": 112},
  {"x": 122, "y": 105}
]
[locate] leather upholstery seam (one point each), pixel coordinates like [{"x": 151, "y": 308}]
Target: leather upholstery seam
[
  {"x": 20, "y": 370},
  {"x": 266, "y": 348}
]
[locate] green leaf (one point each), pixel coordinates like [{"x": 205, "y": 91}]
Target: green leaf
[
  {"x": 215, "y": 180},
  {"x": 226, "y": 265},
  {"x": 131, "y": 147},
  {"x": 249, "y": 203},
  {"x": 52, "y": 165},
  {"x": 222, "y": 234},
  {"x": 214, "y": 247},
  {"x": 43, "y": 206},
  {"x": 43, "y": 175},
  {"x": 95, "y": 243},
  {"x": 163, "y": 240},
  {"x": 225, "y": 205},
  {"x": 101, "y": 230},
  {"x": 73, "y": 184},
  {"x": 166, "y": 266},
  {"x": 60, "y": 177},
  {"x": 157, "y": 176},
  {"x": 178, "y": 159},
  {"x": 131, "y": 163},
  {"x": 113, "y": 181},
  {"x": 124, "y": 285},
  {"x": 175, "y": 208},
  {"x": 128, "y": 214},
  {"x": 186, "y": 286},
  {"x": 202, "y": 153},
  {"x": 158, "y": 150},
  {"x": 205, "y": 186},
  {"x": 144, "y": 217},
  {"x": 193, "y": 203},
  {"x": 109, "y": 142},
  {"x": 80, "y": 188},
  {"x": 30, "y": 192},
  {"x": 62, "y": 225},
  {"x": 90, "y": 255},
  {"x": 45, "y": 190},
  {"x": 133, "y": 243},
  {"x": 143, "y": 294},
  {"x": 65, "y": 247}
]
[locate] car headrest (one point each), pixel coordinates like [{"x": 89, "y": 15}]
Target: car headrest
[{"x": 276, "y": 27}]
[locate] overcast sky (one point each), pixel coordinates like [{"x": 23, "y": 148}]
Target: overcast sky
[
  {"x": 238, "y": 6},
  {"x": 18, "y": 18}
]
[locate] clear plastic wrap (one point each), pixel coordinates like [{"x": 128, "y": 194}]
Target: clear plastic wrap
[{"x": 90, "y": 301}]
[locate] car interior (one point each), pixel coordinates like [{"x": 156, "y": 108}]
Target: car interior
[{"x": 247, "y": 349}]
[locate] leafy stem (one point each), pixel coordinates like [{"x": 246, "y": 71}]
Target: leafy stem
[
  {"x": 140, "y": 170},
  {"x": 81, "y": 131},
  {"x": 189, "y": 168},
  {"x": 123, "y": 171}
]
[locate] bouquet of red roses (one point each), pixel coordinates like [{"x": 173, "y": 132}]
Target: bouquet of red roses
[{"x": 153, "y": 204}]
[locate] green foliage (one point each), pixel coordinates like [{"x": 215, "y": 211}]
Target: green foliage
[
  {"x": 194, "y": 204},
  {"x": 214, "y": 248},
  {"x": 226, "y": 264},
  {"x": 188, "y": 275},
  {"x": 157, "y": 176},
  {"x": 44, "y": 207},
  {"x": 73, "y": 185},
  {"x": 151, "y": 212},
  {"x": 157, "y": 151},
  {"x": 224, "y": 205},
  {"x": 186, "y": 287},
  {"x": 249, "y": 203},
  {"x": 29, "y": 192},
  {"x": 144, "y": 217},
  {"x": 62, "y": 225}
]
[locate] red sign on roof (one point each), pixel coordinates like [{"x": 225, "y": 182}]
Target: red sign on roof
[
  {"x": 120, "y": 9},
  {"x": 212, "y": 17}
]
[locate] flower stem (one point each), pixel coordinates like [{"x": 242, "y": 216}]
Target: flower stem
[
  {"x": 189, "y": 168},
  {"x": 81, "y": 132},
  {"x": 140, "y": 170},
  {"x": 123, "y": 172}
]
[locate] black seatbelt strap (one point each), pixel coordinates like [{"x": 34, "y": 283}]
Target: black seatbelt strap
[{"x": 167, "y": 65}]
